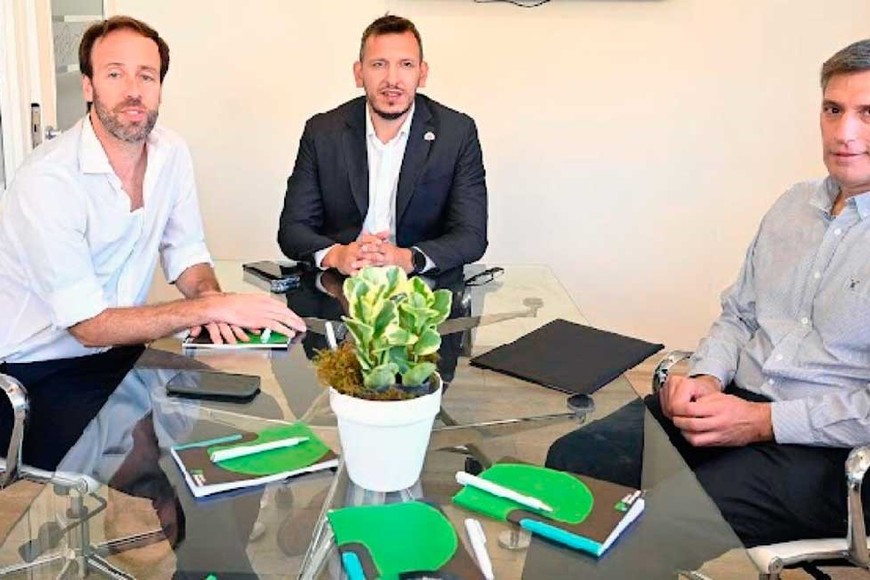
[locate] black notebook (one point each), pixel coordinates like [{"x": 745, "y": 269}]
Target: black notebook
[{"x": 568, "y": 357}]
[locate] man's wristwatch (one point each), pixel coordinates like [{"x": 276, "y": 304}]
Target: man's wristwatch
[{"x": 418, "y": 261}]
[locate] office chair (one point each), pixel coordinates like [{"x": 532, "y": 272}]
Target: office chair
[
  {"x": 70, "y": 531},
  {"x": 10, "y": 466},
  {"x": 774, "y": 558}
]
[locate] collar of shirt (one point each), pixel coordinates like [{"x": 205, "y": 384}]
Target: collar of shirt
[
  {"x": 92, "y": 155},
  {"x": 826, "y": 193},
  {"x": 862, "y": 202},
  {"x": 403, "y": 130}
]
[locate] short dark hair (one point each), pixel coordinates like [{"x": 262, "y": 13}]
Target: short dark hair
[
  {"x": 100, "y": 29},
  {"x": 852, "y": 59},
  {"x": 389, "y": 24}
]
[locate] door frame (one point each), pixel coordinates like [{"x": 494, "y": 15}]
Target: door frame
[
  {"x": 27, "y": 74},
  {"x": 19, "y": 82}
]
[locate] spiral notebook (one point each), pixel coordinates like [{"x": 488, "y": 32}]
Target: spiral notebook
[
  {"x": 205, "y": 476},
  {"x": 588, "y": 514}
]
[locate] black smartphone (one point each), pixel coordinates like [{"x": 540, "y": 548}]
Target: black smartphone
[
  {"x": 214, "y": 385},
  {"x": 281, "y": 276}
]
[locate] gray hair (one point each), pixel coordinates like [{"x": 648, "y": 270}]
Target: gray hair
[{"x": 852, "y": 59}]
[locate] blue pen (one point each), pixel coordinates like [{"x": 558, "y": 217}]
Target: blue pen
[
  {"x": 352, "y": 566},
  {"x": 209, "y": 442},
  {"x": 559, "y": 535}
]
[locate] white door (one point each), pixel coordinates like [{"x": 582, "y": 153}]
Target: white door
[{"x": 40, "y": 83}]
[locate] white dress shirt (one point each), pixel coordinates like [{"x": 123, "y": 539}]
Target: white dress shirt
[
  {"x": 70, "y": 247},
  {"x": 385, "y": 165}
]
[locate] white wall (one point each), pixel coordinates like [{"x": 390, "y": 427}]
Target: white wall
[{"x": 631, "y": 145}]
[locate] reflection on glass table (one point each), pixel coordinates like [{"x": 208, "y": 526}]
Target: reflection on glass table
[{"x": 279, "y": 530}]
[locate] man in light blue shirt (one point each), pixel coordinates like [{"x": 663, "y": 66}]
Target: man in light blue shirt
[{"x": 779, "y": 389}]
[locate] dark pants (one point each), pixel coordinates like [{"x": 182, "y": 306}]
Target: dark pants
[
  {"x": 767, "y": 492},
  {"x": 64, "y": 395}
]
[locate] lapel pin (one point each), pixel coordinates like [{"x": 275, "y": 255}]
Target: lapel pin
[{"x": 429, "y": 136}]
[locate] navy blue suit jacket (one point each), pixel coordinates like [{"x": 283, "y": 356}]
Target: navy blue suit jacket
[{"x": 441, "y": 198}]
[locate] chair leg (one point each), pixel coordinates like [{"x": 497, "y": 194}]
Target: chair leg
[
  {"x": 78, "y": 558},
  {"x": 815, "y": 572},
  {"x": 105, "y": 569},
  {"x": 17, "y": 396}
]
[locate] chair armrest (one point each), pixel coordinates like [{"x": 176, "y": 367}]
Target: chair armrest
[
  {"x": 660, "y": 374},
  {"x": 856, "y": 467},
  {"x": 17, "y": 396},
  {"x": 772, "y": 559}
]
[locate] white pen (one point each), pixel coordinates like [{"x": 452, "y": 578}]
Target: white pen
[
  {"x": 478, "y": 545},
  {"x": 264, "y": 336},
  {"x": 464, "y": 478},
  {"x": 244, "y": 450},
  {"x": 330, "y": 336}
]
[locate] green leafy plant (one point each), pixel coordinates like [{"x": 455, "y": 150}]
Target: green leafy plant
[{"x": 393, "y": 322}]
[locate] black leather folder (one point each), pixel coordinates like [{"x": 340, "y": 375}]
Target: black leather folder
[{"x": 568, "y": 357}]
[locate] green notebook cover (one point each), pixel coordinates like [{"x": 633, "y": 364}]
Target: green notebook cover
[
  {"x": 400, "y": 540},
  {"x": 274, "y": 340},
  {"x": 205, "y": 478},
  {"x": 588, "y": 514}
]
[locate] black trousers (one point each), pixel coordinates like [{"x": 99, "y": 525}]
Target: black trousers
[
  {"x": 767, "y": 492},
  {"x": 64, "y": 395}
]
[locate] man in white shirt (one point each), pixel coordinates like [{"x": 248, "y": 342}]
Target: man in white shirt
[
  {"x": 84, "y": 221},
  {"x": 391, "y": 178}
]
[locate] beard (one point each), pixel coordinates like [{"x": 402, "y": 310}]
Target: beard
[
  {"x": 387, "y": 116},
  {"x": 129, "y": 133}
]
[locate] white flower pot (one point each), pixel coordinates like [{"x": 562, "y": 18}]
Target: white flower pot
[{"x": 384, "y": 442}]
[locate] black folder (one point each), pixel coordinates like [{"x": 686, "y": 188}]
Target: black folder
[{"x": 568, "y": 357}]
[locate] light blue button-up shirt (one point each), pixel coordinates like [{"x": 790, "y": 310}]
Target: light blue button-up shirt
[{"x": 795, "y": 326}]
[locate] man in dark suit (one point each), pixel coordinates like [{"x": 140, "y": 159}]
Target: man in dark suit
[{"x": 391, "y": 178}]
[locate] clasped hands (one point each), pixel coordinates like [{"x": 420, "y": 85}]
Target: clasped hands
[
  {"x": 707, "y": 417},
  {"x": 367, "y": 250}
]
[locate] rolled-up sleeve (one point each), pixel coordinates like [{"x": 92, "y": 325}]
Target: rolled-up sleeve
[
  {"x": 79, "y": 301},
  {"x": 47, "y": 225},
  {"x": 183, "y": 242}
]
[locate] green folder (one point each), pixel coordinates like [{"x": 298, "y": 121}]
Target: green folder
[
  {"x": 588, "y": 514},
  {"x": 205, "y": 477},
  {"x": 399, "y": 540}
]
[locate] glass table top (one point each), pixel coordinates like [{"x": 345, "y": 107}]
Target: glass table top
[{"x": 145, "y": 522}]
